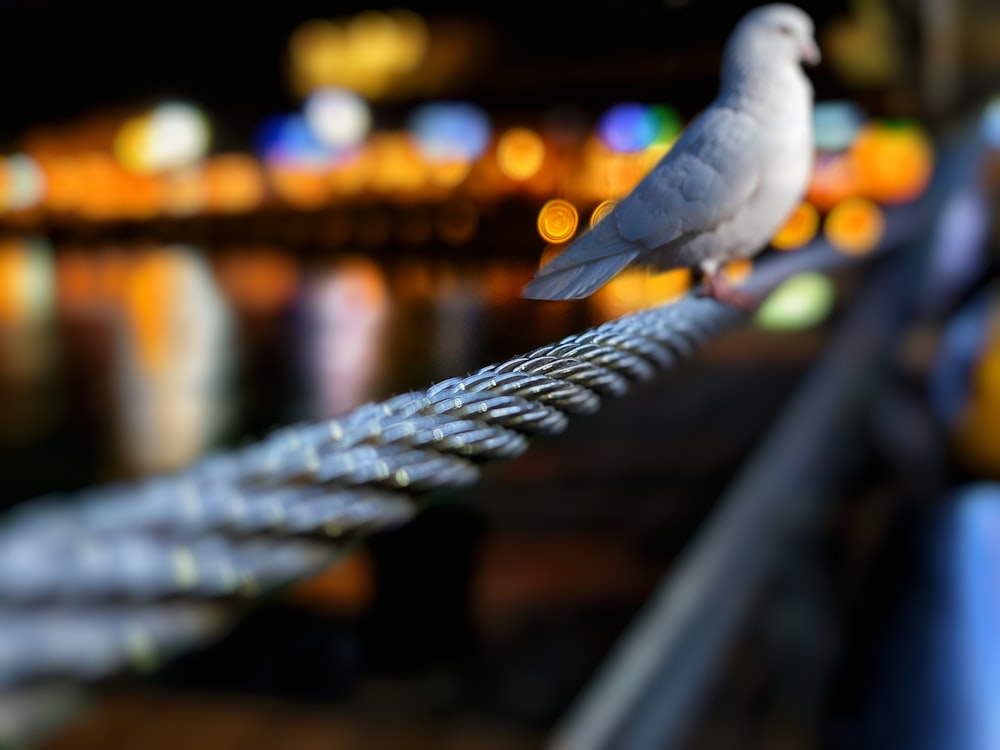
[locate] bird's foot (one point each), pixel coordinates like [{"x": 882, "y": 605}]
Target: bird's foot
[{"x": 716, "y": 287}]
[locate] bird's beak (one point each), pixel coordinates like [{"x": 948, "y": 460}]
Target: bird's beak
[{"x": 810, "y": 52}]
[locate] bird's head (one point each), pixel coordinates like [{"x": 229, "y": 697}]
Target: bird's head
[{"x": 777, "y": 32}]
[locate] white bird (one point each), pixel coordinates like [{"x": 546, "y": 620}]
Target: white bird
[{"x": 729, "y": 183}]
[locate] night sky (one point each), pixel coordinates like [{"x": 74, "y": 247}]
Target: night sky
[{"x": 65, "y": 58}]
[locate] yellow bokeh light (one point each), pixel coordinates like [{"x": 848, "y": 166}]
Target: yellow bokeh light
[
  {"x": 448, "y": 174},
  {"x": 668, "y": 286},
  {"x": 316, "y": 49},
  {"x": 602, "y": 210},
  {"x": 132, "y": 143},
  {"x": 396, "y": 165},
  {"x": 800, "y": 228},
  {"x": 854, "y": 226},
  {"x": 557, "y": 220},
  {"x": 374, "y": 53},
  {"x": 625, "y": 293},
  {"x": 520, "y": 153},
  {"x": 738, "y": 271}
]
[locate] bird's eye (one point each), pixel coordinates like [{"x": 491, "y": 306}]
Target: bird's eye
[{"x": 785, "y": 30}]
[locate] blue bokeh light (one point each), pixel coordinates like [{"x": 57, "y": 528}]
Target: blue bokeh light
[
  {"x": 450, "y": 131},
  {"x": 628, "y": 127},
  {"x": 288, "y": 140}
]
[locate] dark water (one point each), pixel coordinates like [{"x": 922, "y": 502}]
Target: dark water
[{"x": 118, "y": 360}]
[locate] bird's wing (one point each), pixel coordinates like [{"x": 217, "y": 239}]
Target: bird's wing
[
  {"x": 585, "y": 265},
  {"x": 700, "y": 184}
]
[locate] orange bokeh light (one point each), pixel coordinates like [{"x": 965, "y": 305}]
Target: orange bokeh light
[
  {"x": 834, "y": 179},
  {"x": 520, "y": 153},
  {"x": 668, "y": 286},
  {"x": 800, "y": 228},
  {"x": 854, "y": 226},
  {"x": 738, "y": 271},
  {"x": 233, "y": 183},
  {"x": 602, "y": 210},
  {"x": 557, "y": 221},
  {"x": 894, "y": 162}
]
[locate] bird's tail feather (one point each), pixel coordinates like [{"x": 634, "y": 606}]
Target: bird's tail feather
[{"x": 585, "y": 266}]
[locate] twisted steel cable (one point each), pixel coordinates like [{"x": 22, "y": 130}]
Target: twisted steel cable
[
  {"x": 141, "y": 569},
  {"x": 123, "y": 573}
]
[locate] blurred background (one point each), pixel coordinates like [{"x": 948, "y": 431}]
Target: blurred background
[{"x": 217, "y": 220}]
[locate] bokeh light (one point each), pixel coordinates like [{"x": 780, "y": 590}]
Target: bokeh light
[
  {"x": 668, "y": 286},
  {"x": 803, "y": 301},
  {"x": 630, "y": 127},
  {"x": 835, "y": 177},
  {"x": 23, "y": 183},
  {"x": 233, "y": 184},
  {"x": 288, "y": 140},
  {"x": 183, "y": 192},
  {"x": 557, "y": 221},
  {"x": 836, "y": 124},
  {"x": 339, "y": 118},
  {"x": 894, "y": 159},
  {"x": 520, "y": 153},
  {"x": 450, "y": 131},
  {"x": 601, "y": 210},
  {"x": 173, "y": 134},
  {"x": 800, "y": 228},
  {"x": 738, "y": 271},
  {"x": 302, "y": 188},
  {"x": 627, "y": 127},
  {"x": 374, "y": 53},
  {"x": 854, "y": 226}
]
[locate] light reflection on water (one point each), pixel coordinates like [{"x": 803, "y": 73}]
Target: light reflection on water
[{"x": 124, "y": 360}]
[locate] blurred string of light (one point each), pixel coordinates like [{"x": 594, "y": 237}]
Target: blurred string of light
[{"x": 327, "y": 154}]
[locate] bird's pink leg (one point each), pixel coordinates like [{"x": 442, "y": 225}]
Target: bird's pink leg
[{"x": 716, "y": 287}]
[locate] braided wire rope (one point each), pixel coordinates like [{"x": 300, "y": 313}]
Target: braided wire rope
[{"x": 126, "y": 573}]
